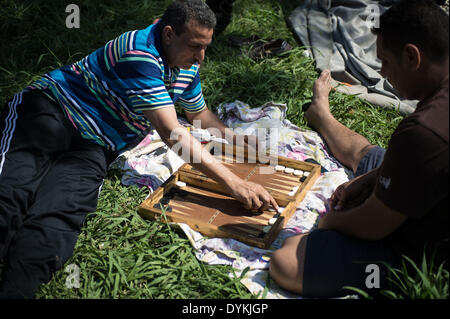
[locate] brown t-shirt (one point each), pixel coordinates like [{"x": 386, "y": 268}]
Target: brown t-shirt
[{"x": 414, "y": 179}]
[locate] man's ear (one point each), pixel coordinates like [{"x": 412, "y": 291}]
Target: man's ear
[
  {"x": 412, "y": 56},
  {"x": 168, "y": 34}
]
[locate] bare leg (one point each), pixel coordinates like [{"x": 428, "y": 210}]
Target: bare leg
[
  {"x": 347, "y": 146},
  {"x": 287, "y": 264}
]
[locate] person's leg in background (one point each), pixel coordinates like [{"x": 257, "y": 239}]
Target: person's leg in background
[
  {"x": 347, "y": 146},
  {"x": 223, "y": 10}
]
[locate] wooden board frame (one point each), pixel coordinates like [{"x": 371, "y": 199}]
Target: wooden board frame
[{"x": 198, "y": 183}]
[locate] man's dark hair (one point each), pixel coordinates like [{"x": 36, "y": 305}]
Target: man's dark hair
[
  {"x": 179, "y": 12},
  {"x": 419, "y": 22}
]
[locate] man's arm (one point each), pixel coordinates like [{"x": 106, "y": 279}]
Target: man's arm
[
  {"x": 252, "y": 195},
  {"x": 207, "y": 119},
  {"x": 372, "y": 220}
]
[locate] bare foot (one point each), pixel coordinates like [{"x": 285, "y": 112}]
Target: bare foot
[{"x": 320, "y": 106}]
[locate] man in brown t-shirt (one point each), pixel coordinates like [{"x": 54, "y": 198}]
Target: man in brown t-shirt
[
  {"x": 413, "y": 179},
  {"x": 398, "y": 202}
]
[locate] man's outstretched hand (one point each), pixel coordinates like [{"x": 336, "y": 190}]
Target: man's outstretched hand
[{"x": 253, "y": 196}]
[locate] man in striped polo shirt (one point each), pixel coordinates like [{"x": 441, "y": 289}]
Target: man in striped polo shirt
[{"x": 60, "y": 134}]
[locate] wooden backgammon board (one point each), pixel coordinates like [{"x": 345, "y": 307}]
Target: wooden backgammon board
[{"x": 190, "y": 197}]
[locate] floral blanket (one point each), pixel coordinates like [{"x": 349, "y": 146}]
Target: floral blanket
[{"x": 151, "y": 163}]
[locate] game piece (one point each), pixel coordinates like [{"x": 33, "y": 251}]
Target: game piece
[
  {"x": 168, "y": 209},
  {"x": 289, "y": 170},
  {"x": 182, "y": 193},
  {"x": 164, "y": 201},
  {"x": 180, "y": 184},
  {"x": 298, "y": 172}
]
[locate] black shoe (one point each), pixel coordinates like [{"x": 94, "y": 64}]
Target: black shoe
[
  {"x": 269, "y": 49},
  {"x": 238, "y": 41}
]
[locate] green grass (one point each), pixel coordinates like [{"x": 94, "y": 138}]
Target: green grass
[
  {"x": 412, "y": 281},
  {"x": 425, "y": 281},
  {"x": 119, "y": 254}
]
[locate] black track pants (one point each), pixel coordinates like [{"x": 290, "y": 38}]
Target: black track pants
[{"x": 50, "y": 180}]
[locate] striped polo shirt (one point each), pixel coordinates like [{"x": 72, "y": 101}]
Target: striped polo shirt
[{"x": 104, "y": 94}]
